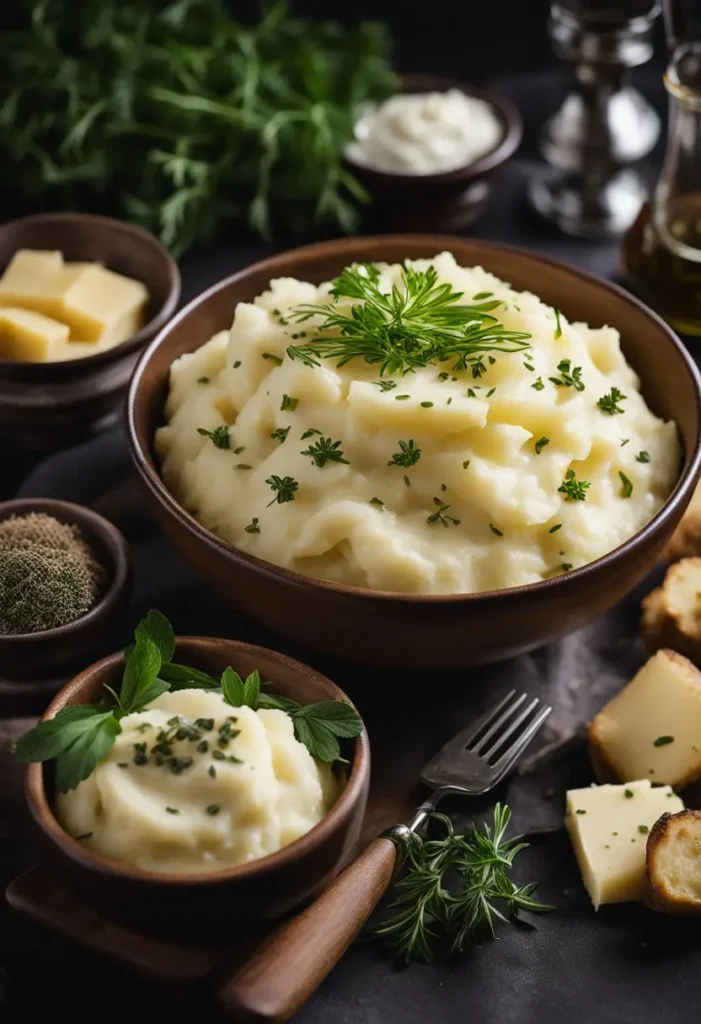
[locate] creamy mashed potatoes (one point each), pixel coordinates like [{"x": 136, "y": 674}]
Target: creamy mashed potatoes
[
  {"x": 237, "y": 787},
  {"x": 525, "y": 470}
]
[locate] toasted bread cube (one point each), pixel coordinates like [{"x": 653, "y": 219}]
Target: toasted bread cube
[
  {"x": 652, "y": 728},
  {"x": 608, "y": 826},
  {"x": 30, "y": 337},
  {"x": 685, "y": 542},
  {"x": 673, "y": 864},
  {"x": 672, "y": 614}
]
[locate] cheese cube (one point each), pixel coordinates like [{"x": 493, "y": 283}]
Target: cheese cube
[
  {"x": 95, "y": 303},
  {"x": 608, "y": 826},
  {"x": 653, "y": 727},
  {"x": 30, "y": 337}
]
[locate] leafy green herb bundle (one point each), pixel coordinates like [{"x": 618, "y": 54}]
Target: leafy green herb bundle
[
  {"x": 177, "y": 117},
  {"x": 452, "y": 890},
  {"x": 78, "y": 737}
]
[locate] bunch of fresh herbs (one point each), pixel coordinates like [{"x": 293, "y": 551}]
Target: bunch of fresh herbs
[
  {"x": 179, "y": 118},
  {"x": 78, "y": 737},
  {"x": 452, "y": 890}
]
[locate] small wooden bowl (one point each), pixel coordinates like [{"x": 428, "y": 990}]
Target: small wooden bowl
[
  {"x": 434, "y": 632},
  {"x": 257, "y": 891},
  {"x": 35, "y": 656},
  {"x": 44, "y": 406},
  {"x": 449, "y": 201}
]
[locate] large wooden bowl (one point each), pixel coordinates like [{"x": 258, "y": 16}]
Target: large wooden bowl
[
  {"x": 397, "y": 630},
  {"x": 256, "y": 891}
]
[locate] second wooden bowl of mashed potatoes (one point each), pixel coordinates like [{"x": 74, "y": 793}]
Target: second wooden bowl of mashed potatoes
[{"x": 408, "y": 507}]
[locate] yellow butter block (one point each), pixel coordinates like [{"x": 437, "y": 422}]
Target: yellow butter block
[
  {"x": 30, "y": 337},
  {"x": 96, "y": 304},
  {"x": 609, "y": 826}
]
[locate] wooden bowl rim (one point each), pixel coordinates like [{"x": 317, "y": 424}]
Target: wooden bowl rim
[
  {"x": 93, "y": 526},
  {"x": 332, "y": 821},
  {"x": 506, "y": 111},
  {"x": 283, "y": 265},
  {"x": 139, "y": 236}
]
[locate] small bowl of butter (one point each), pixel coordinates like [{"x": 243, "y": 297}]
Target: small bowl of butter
[
  {"x": 80, "y": 297},
  {"x": 425, "y": 154}
]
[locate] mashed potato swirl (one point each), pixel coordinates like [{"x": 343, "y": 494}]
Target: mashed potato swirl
[{"x": 492, "y": 500}]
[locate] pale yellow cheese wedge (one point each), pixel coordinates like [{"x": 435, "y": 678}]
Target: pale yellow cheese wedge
[
  {"x": 97, "y": 304},
  {"x": 609, "y": 826},
  {"x": 30, "y": 337},
  {"x": 652, "y": 728}
]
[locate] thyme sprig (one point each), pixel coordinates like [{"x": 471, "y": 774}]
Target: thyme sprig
[
  {"x": 454, "y": 889},
  {"x": 417, "y": 323}
]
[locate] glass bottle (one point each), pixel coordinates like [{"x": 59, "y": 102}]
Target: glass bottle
[{"x": 661, "y": 255}]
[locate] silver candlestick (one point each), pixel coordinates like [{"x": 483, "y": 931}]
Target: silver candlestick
[{"x": 604, "y": 125}]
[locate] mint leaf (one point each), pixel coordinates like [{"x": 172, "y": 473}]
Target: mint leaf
[
  {"x": 233, "y": 688},
  {"x": 251, "y": 693},
  {"x": 319, "y": 741},
  {"x": 147, "y": 696},
  {"x": 79, "y": 761},
  {"x": 155, "y": 627},
  {"x": 140, "y": 674},
  {"x": 273, "y": 702},
  {"x": 335, "y": 715},
  {"x": 183, "y": 677},
  {"x": 51, "y": 738}
]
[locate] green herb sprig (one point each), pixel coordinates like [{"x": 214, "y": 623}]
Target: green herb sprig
[
  {"x": 453, "y": 890},
  {"x": 415, "y": 324},
  {"x": 78, "y": 737},
  {"x": 407, "y": 456}
]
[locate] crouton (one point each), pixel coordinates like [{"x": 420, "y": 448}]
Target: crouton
[
  {"x": 685, "y": 542},
  {"x": 672, "y": 613},
  {"x": 673, "y": 864}
]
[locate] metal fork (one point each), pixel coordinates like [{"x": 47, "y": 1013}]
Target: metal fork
[{"x": 290, "y": 965}]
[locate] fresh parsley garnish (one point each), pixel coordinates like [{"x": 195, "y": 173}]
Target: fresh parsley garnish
[
  {"x": 540, "y": 444},
  {"x": 203, "y": 380},
  {"x": 310, "y": 433},
  {"x": 386, "y": 385},
  {"x": 417, "y": 323},
  {"x": 325, "y": 450},
  {"x": 407, "y": 456},
  {"x": 538, "y": 386},
  {"x": 253, "y": 526},
  {"x": 569, "y": 377},
  {"x": 288, "y": 404},
  {"x": 495, "y": 530},
  {"x": 662, "y": 741},
  {"x": 453, "y": 889},
  {"x": 626, "y": 485},
  {"x": 609, "y": 403},
  {"x": 378, "y": 503},
  {"x": 642, "y": 457},
  {"x": 573, "y": 489},
  {"x": 440, "y": 516},
  {"x": 284, "y": 488},
  {"x": 280, "y": 434},
  {"x": 219, "y": 436}
]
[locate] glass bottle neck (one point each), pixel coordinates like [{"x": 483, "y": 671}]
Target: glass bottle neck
[{"x": 677, "y": 200}]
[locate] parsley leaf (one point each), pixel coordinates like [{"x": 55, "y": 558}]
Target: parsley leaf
[
  {"x": 609, "y": 403},
  {"x": 325, "y": 450},
  {"x": 157, "y": 628},
  {"x": 540, "y": 444},
  {"x": 407, "y": 456},
  {"x": 219, "y": 436},
  {"x": 573, "y": 489},
  {"x": 284, "y": 488},
  {"x": 288, "y": 404}
]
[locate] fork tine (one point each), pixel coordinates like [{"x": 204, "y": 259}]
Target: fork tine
[
  {"x": 499, "y": 723},
  {"x": 512, "y": 754},
  {"x": 501, "y": 738},
  {"x": 466, "y": 736}
]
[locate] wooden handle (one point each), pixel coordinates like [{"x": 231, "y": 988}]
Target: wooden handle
[{"x": 293, "y": 962}]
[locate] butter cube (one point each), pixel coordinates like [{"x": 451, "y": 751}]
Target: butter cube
[
  {"x": 608, "y": 826},
  {"x": 96, "y": 304},
  {"x": 30, "y": 337},
  {"x": 652, "y": 728}
]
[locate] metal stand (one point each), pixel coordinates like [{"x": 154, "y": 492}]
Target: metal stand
[{"x": 604, "y": 124}]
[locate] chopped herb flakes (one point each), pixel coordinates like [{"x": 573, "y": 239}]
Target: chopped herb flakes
[
  {"x": 482, "y": 295},
  {"x": 401, "y": 398},
  {"x": 555, "y": 528},
  {"x": 642, "y": 457},
  {"x": 609, "y": 403},
  {"x": 538, "y": 386},
  {"x": 172, "y": 810},
  {"x": 540, "y": 444},
  {"x": 325, "y": 450},
  {"x": 495, "y": 530},
  {"x": 310, "y": 433},
  {"x": 558, "y": 330},
  {"x": 573, "y": 489},
  {"x": 386, "y": 385},
  {"x": 643, "y": 829},
  {"x": 253, "y": 526},
  {"x": 288, "y": 404},
  {"x": 213, "y": 809},
  {"x": 629, "y": 794},
  {"x": 569, "y": 378},
  {"x": 272, "y": 358},
  {"x": 662, "y": 741},
  {"x": 626, "y": 485},
  {"x": 219, "y": 436},
  {"x": 378, "y": 502},
  {"x": 280, "y": 434},
  {"x": 440, "y": 516},
  {"x": 203, "y": 380},
  {"x": 426, "y": 405},
  {"x": 580, "y": 811},
  {"x": 237, "y": 364},
  {"x": 284, "y": 488},
  {"x": 407, "y": 456}
]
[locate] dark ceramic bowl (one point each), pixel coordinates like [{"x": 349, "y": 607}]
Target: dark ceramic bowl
[
  {"x": 45, "y": 406},
  {"x": 256, "y": 891},
  {"x": 399, "y": 630},
  {"x": 451, "y": 200},
  {"x": 35, "y": 656}
]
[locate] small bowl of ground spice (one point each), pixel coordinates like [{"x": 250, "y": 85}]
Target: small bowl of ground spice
[{"x": 65, "y": 579}]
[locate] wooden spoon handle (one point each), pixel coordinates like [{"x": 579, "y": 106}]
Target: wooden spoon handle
[{"x": 292, "y": 963}]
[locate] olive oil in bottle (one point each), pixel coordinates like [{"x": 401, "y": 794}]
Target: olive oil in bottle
[
  {"x": 661, "y": 254},
  {"x": 666, "y": 272}
]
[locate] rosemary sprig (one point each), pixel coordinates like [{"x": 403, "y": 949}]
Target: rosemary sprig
[
  {"x": 415, "y": 324},
  {"x": 454, "y": 889}
]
